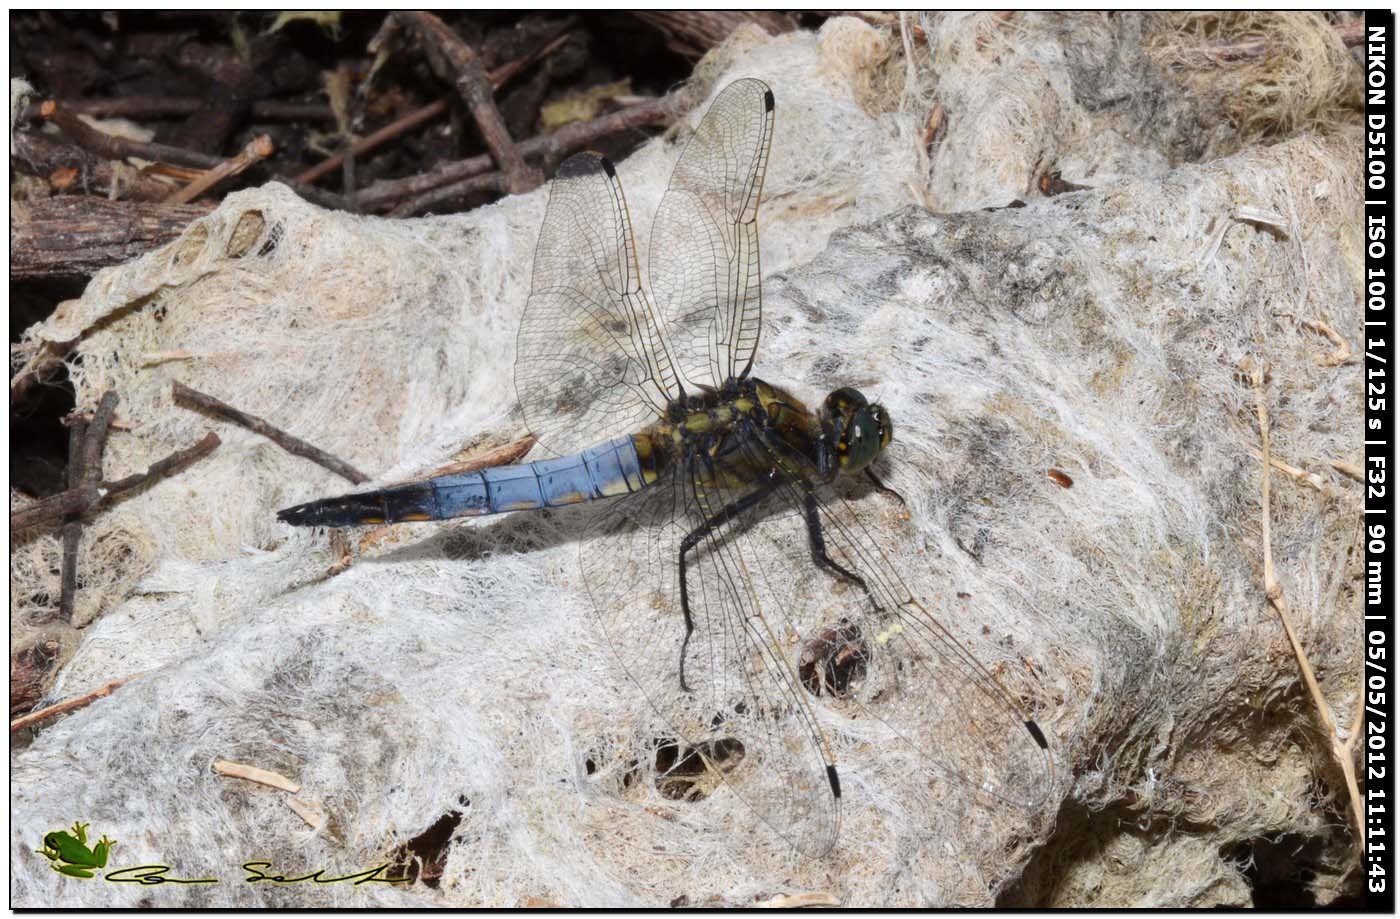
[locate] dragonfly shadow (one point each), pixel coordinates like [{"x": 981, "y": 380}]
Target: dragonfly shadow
[{"x": 514, "y": 533}]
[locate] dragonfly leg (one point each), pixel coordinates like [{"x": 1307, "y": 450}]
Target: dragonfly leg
[
  {"x": 723, "y": 516},
  {"x": 817, "y": 543},
  {"x": 881, "y": 486}
]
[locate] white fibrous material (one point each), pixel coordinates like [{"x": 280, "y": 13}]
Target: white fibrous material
[{"x": 1075, "y": 437}]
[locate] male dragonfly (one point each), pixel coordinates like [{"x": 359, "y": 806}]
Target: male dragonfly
[{"x": 709, "y": 470}]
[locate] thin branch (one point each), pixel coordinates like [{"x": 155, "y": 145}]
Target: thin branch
[
  {"x": 72, "y": 525},
  {"x": 383, "y": 135},
  {"x": 499, "y": 77},
  {"x": 294, "y": 445},
  {"x": 258, "y": 149},
  {"x": 1341, "y": 751},
  {"x": 144, "y": 107},
  {"x": 96, "y": 440},
  {"x": 67, "y": 166},
  {"x": 491, "y": 182},
  {"x": 162, "y": 468},
  {"x": 546, "y": 147},
  {"x": 453, "y": 59},
  {"x": 68, "y": 705},
  {"x": 112, "y": 147}
]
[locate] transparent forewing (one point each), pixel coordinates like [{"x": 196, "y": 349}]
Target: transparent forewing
[
  {"x": 590, "y": 363},
  {"x": 704, "y": 243},
  {"x": 907, "y": 669},
  {"x": 740, "y": 682}
]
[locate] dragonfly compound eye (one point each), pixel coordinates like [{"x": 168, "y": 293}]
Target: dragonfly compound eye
[{"x": 862, "y": 438}]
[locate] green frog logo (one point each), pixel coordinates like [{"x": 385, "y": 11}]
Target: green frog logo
[{"x": 68, "y": 853}]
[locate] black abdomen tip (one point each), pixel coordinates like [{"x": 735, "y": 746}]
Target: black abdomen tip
[
  {"x": 831, "y": 775},
  {"x": 768, "y": 100},
  {"x": 296, "y": 516},
  {"x": 1035, "y": 732},
  {"x": 608, "y": 167}
]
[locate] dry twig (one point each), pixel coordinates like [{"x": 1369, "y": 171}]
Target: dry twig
[
  {"x": 259, "y": 148},
  {"x": 140, "y": 108},
  {"x": 85, "y": 445},
  {"x": 294, "y": 445},
  {"x": 1341, "y": 750},
  {"x": 72, "y": 526},
  {"x": 68, "y": 705},
  {"x": 112, "y": 147},
  {"x": 547, "y": 147},
  {"x": 85, "y": 497},
  {"x": 454, "y": 60},
  {"x": 1347, "y": 469},
  {"x": 499, "y": 77}
]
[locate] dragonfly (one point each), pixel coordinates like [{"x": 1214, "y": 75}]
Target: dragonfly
[{"x": 735, "y": 585}]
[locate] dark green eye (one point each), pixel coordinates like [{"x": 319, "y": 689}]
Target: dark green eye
[
  {"x": 860, "y": 441},
  {"x": 860, "y": 430}
]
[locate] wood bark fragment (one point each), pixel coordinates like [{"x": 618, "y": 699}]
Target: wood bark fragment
[
  {"x": 31, "y": 669},
  {"x": 72, "y": 237},
  {"x": 69, "y": 168}
]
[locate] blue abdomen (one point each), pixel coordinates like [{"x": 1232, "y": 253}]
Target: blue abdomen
[{"x": 603, "y": 471}]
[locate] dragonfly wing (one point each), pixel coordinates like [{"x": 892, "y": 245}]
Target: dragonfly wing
[
  {"x": 907, "y": 669},
  {"x": 590, "y": 363},
  {"x": 704, "y": 242},
  {"x": 740, "y": 683}
]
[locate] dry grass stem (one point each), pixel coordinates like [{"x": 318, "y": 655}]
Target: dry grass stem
[
  {"x": 254, "y": 774},
  {"x": 1341, "y": 749},
  {"x": 1342, "y": 354}
]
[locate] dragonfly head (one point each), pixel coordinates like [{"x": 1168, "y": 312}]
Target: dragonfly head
[{"x": 858, "y": 429}]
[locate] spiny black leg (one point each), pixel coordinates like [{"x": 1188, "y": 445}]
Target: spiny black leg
[
  {"x": 725, "y": 514},
  {"x": 881, "y": 486},
  {"x": 817, "y": 543}
]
